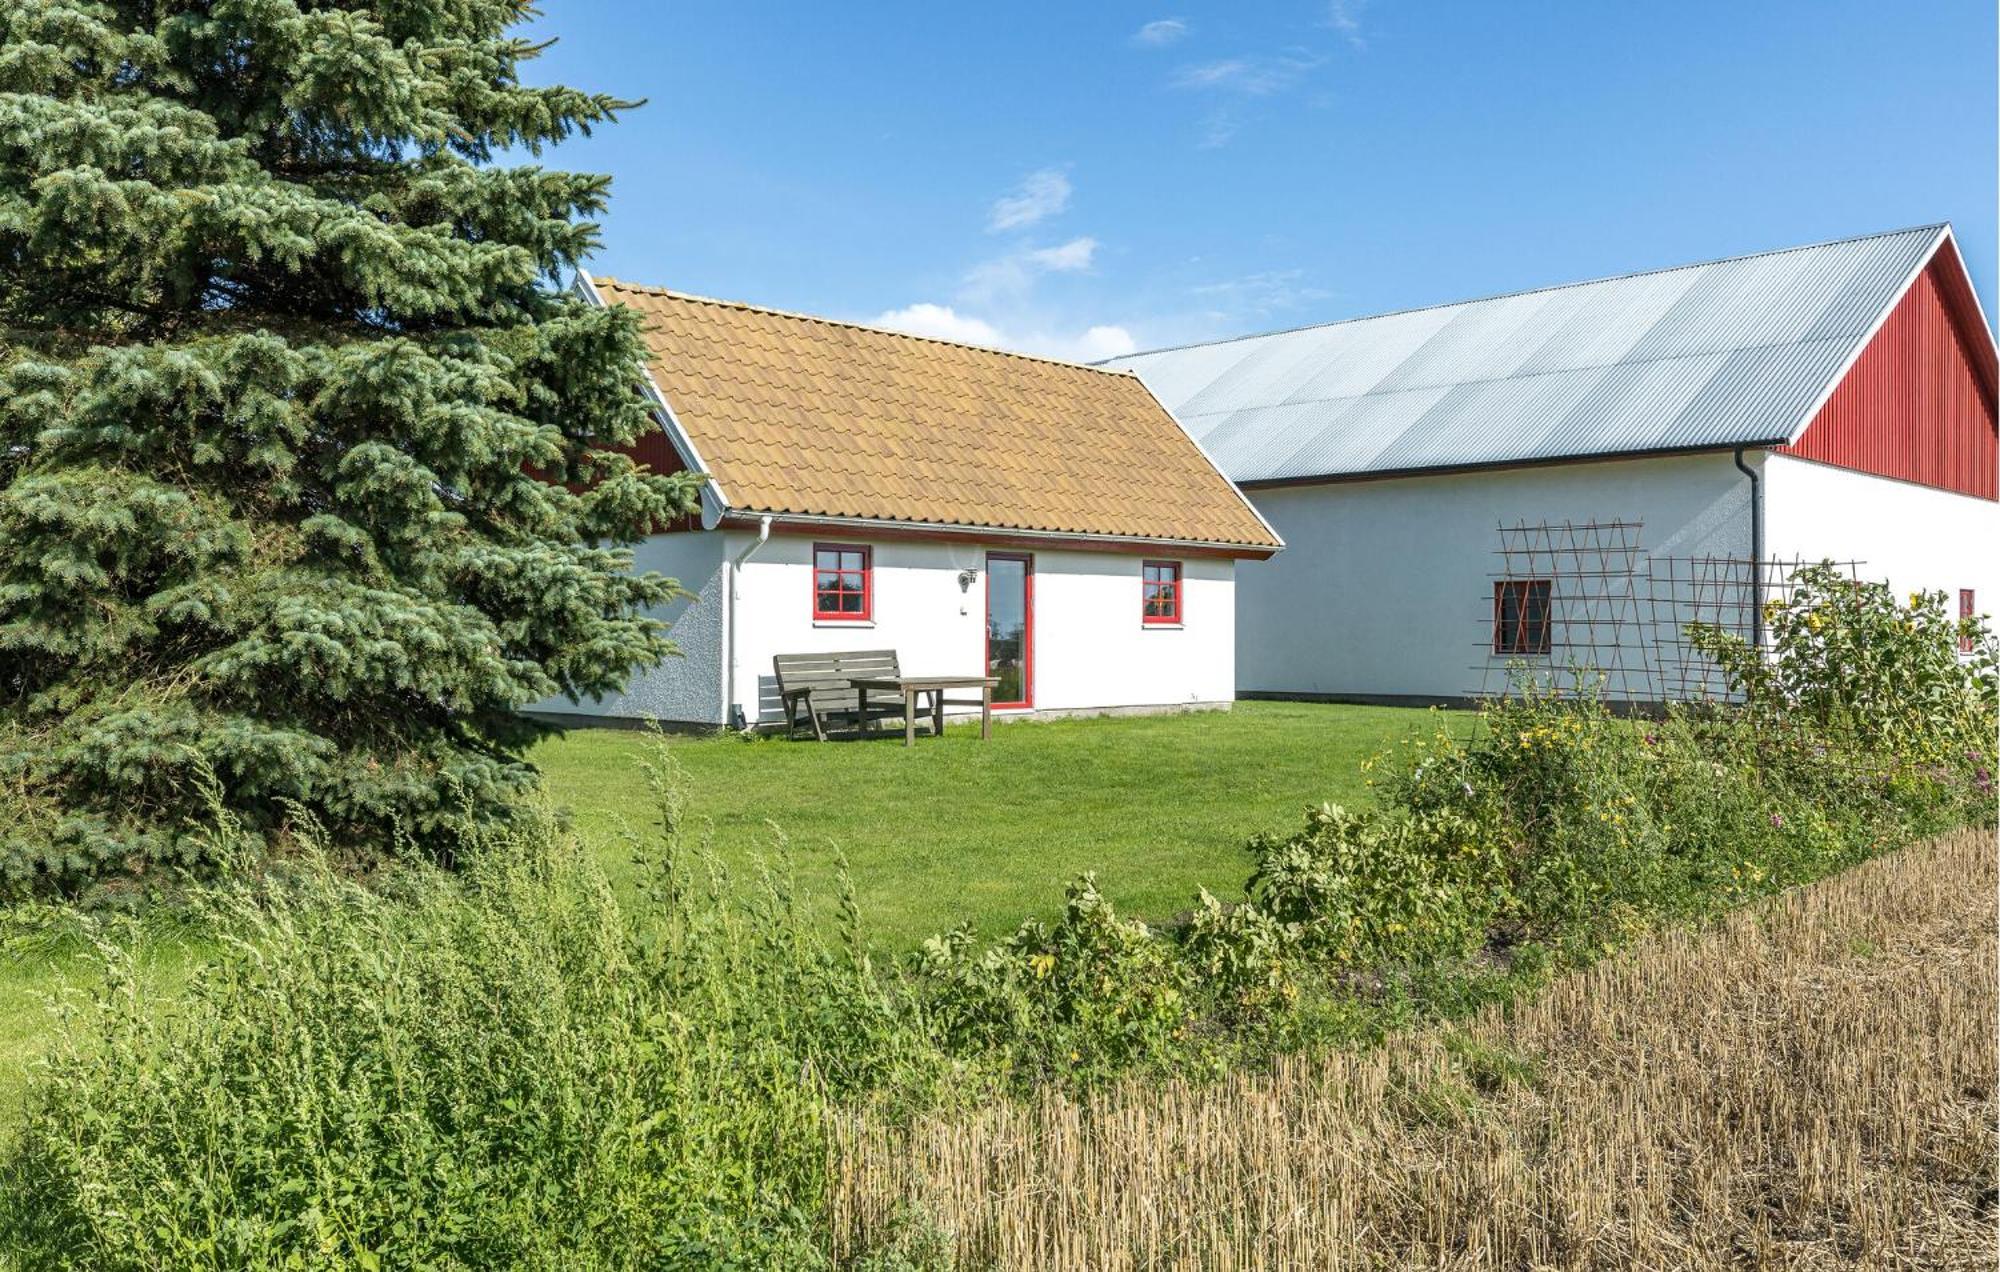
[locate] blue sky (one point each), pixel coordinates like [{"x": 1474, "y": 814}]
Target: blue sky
[{"x": 1083, "y": 179}]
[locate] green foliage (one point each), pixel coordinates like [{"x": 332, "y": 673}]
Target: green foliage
[
  {"x": 1851, "y": 665},
  {"x": 1089, "y": 995},
  {"x": 307, "y": 476},
  {"x": 499, "y": 1069},
  {"x": 1556, "y": 832},
  {"x": 1248, "y": 958},
  {"x": 1363, "y": 889}
]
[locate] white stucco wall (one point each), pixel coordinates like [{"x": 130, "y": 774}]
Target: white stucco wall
[
  {"x": 1090, "y": 649},
  {"x": 686, "y": 689},
  {"x": 1911, "y": 536},
  {"x": 1385, "y": 587}
]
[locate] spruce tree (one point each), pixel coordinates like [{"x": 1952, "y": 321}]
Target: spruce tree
[{"x": 308, "y": 464}]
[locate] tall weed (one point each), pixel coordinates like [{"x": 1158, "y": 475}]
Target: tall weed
[{"x": 499, "y": 1069}]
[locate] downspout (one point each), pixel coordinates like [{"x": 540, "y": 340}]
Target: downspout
[
  {"x": 1756, "y": 551},
  {"x": 735, "y": 566}
]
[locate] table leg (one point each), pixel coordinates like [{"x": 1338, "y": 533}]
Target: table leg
[
  {"x": 861, "y": 700},
  {"x": 909, "y": 718},
  {"x": 985, "y": 712},
  {"x": 937, "y": 713}
]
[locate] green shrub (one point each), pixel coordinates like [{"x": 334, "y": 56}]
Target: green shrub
[
  {"x": 1394, "y": 884},
  {"x": 1087, "y": 996},
  {"x": 1556, "y": 831},
  {"x": 1247, "y": 958},
  {"x": 1847, "y": 664}
]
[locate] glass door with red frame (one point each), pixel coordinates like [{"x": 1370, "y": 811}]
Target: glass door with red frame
[{"x": 1010, "y": 627}]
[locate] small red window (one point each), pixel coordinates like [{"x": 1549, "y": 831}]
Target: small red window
[
  {"x": 843, "y": 583},
  {"x": 1521, "y": 617},
  {"x": 1967, "y": 611},
  {"x": 1160, "y": 591}
]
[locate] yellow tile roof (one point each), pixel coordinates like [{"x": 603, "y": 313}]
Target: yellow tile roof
[{"x": 802, "y": 416}]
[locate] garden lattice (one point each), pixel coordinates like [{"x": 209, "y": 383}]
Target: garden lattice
[{"x": 1584, "y": 605}]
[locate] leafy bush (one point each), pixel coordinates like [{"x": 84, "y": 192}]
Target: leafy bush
[
  {"x": 1248, "y": 958},
  {"x": 1365, "y": 888},
  {"x": 1847, "y": 663},
  {"x": 1091, "y": 994}
]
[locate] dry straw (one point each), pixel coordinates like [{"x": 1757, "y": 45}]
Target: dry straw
[{"x": 1811, "y": 1083}]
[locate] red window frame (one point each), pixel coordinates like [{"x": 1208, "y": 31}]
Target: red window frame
[
  {"x": 1968, "y": 609},
  {"x": 1027, "y": 560},
  {"x": 841, "y": 573},
  {"x": 1168, "y": 579},
  {"x": 1524, "y": 636}
]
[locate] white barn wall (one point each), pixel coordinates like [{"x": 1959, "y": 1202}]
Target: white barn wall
[
  {"x": 686, "y": 689},
  {"x": 1091, "y": 651},
  {"x": 1908, "y": 535},
  {"x": 1385, "y": 587}
]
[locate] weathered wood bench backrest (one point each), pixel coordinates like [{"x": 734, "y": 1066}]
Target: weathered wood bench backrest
[{"x": 827, "y": 674}]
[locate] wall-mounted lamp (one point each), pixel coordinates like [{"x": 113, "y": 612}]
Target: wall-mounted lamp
[{"x": 965, "y": 579}]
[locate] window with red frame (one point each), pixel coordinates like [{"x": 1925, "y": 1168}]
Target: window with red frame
[
  {"x": 1160, "y": 590},
  {"x": 1967, "y": 610},
  {"x": 843, "y": 583},
  {"x": 1521, "y": 617}
]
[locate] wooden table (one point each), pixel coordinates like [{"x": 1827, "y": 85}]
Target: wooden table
[{"x": 913, "y": 687}]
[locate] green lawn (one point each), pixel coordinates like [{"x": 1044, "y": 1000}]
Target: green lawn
[{"x": 958, "y": 829}]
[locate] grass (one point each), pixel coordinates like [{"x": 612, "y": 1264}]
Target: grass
[
  {"x": 1808, "y": 1083},
  {"x": 956, "y": 829},
  {"x": 32, "y": 981},
  {"x": 953, "y": 828}
]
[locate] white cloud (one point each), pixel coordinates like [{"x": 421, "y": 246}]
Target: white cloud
[
  {"x": 1065, "y": 257},
  {"x": 996, "y": 302},
  {"x": 1344, "y": 16},
  {"x": 1218, "y": 127},
  {"x": 943, "y": 322},
  {"x": 1040, "y": 195},
  {"x": 1097, "y": 343},
  {"x": 1250, "y": 76},
  {"x": 1160, "y": 33},
  {"x": 1012, "y": 276},
  {"x": 940, "y": 322},
  {"x": 1259, "y": 295}
]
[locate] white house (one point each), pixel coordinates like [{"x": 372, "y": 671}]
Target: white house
[
  {"x": 1833, "y": 401},
  {"x": 979, "y": 512}
]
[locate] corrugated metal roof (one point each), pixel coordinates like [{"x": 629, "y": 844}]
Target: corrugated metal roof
[{"x": 1714, "y": 355}]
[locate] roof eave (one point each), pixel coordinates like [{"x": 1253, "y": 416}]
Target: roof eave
[
  {"x": 783, "y": 520},
  {"x": 1495, "y": 465}
]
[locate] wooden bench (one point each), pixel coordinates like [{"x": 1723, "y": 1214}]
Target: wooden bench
[{"x": 823, "y": 685}]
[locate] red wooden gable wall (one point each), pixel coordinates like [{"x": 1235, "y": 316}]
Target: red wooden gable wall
[
  {"x": 1918, "y": 404},
  {"x": 656, "y": 451}
]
